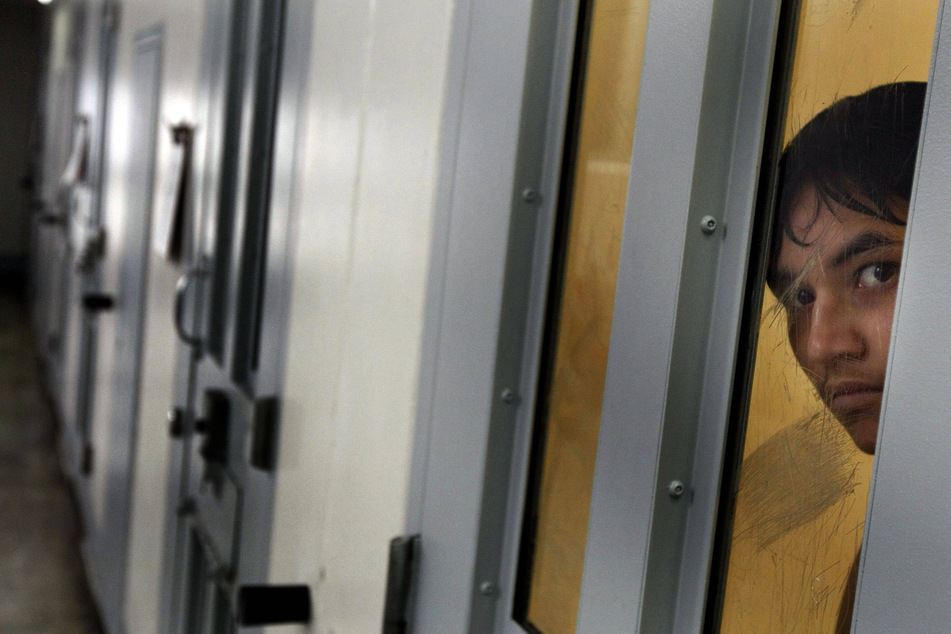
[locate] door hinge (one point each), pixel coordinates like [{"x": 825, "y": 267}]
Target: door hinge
[
  {"x": 262, "y": 453},
  {"x": 400, "y": 583}
]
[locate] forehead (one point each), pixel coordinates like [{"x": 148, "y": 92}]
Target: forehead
[{"x": 823, "y": 228}]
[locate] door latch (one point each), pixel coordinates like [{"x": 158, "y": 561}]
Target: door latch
[{"x": 400, "y": 576}]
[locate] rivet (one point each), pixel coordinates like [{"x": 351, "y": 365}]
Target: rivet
[
  {"x": 529, "y": 195},
  {"x": 508, "y": 395},
  {"x": 487, "y": 588},
  {"x": 676, "y": 488},
  {"x": 708, "y": 224}
]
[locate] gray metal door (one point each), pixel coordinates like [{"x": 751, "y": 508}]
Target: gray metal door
[
  {"x": 230, "y": 314},
  {"x": 108, "y": 544},
  {"x": 90, "y": 248},
  {"x": 53, "y": 231}
]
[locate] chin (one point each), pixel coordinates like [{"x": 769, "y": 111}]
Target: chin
[{"x": 864, "y": 433}]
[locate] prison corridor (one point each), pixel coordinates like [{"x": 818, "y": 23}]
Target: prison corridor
[{"x": 42, "y": 584}]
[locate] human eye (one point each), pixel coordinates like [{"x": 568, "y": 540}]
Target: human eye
[
  {"x": 798, "y": 297},
  {"x": 876, "y": 274}
]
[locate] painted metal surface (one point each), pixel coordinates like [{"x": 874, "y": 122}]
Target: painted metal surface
[
  {"x": 107, "y": 545},
  {"x": 459, "y": 389},
  {"x": 903, "y": 583}
]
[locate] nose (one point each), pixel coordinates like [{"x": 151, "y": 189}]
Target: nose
[{"x": 834, "y": 333}]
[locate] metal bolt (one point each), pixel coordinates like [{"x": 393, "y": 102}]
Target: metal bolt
[
  {"x": 487, "y": 588},
  {"x": 529, "y": 195},
  {"x": 676, "y": 488},
  {"x": 708, "y": 224},
  {"x": 508, "y": 395},
  {"x": 175, "y": 422}
]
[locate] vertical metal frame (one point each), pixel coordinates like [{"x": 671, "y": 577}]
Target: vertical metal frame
[
  {"x": 903, "y": 579},
  {"x": 697, "y": 146},
  {"x": 501, "y": 152},
  {"x": 108, "y": 37},
  {"x": 109, "y": 546}
]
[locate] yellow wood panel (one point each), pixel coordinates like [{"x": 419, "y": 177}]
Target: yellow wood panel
[
  {"x": 597, "y": 215},
  {"x": 803, "y": 485}
]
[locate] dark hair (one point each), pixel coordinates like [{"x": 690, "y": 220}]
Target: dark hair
[{"x": 859, "y": 150}]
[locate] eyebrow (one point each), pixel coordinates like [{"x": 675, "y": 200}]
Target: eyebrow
[
  {"x": 867, "y": 241},
  {"x": 780, "y": 280}
]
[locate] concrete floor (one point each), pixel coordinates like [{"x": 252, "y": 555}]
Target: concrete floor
[{"x": 42, "y": 583}]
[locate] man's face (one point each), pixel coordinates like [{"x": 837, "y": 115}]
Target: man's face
[{"x": 839, "y": 295}]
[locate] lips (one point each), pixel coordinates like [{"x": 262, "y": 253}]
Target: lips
[{"x": 855, "y": 397}]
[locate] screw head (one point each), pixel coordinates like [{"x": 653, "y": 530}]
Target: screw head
[
  {"x": 708, "y": 224},
  {"x": 487, "y": 588},
  {"x": 507, "y": 395},
  {"x": 676, "y": 488},
  {"x": 529, "y": 195}
]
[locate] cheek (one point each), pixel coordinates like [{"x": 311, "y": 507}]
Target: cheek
[
  {"x": 798, "y": 332},
  {"x": 879, "y": 326}
]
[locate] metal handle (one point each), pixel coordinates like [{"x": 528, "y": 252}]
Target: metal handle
[{"x": 184, "y": 283}]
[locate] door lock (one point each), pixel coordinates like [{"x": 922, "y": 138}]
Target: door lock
[{"x": 213, "y": 425}]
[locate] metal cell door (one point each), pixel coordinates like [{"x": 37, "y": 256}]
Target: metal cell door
[
  {"x": 52, "y": 226},
  {"x": 230, "y": 314},
  {"x": 91, "y": 234},
  {"x": 107, "y": 542}
]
